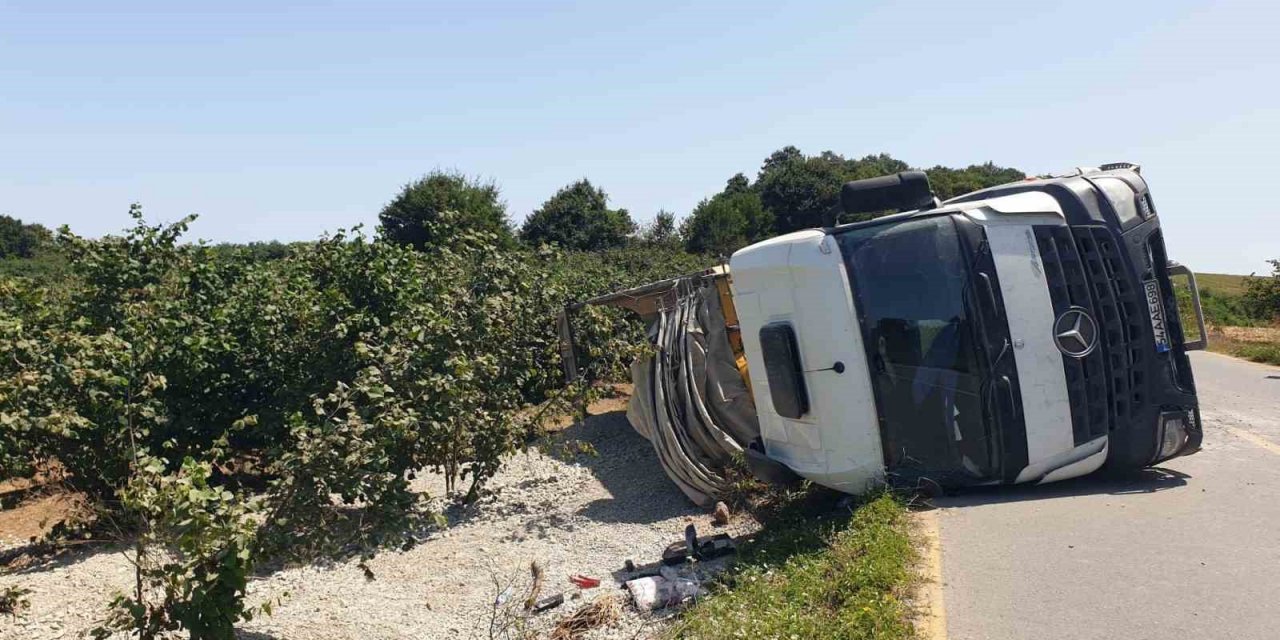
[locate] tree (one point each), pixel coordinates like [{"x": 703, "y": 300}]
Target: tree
[
  {"x": 432, "y": 210},
  {"x": 727, "y": 221},
  {"x": 662, "y": 231},
  {"x": 802, "y": 192},
  {"x": 948, "y": 183},
  {"x": 737, "y": 184},
  {"x": 20, "y": 240},
  {"x": 578, "y": 217}
]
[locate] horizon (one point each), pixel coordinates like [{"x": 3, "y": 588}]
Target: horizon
[{"x": 285, "y": 122}]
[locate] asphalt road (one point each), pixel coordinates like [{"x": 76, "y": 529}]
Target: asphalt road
[{"x": 1191, "y": 550}]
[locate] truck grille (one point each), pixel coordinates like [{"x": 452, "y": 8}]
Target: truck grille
[{"x": 1083, "y": 268}]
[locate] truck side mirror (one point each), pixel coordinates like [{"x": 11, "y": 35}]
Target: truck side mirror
[{"x": 782, "y": 369}]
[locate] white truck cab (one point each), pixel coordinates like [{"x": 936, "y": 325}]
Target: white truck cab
[{"x": 1023, "y": 333}]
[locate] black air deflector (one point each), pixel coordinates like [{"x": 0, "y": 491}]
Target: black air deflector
[
  {"x": 903, "y": 191},
  {"x": 782, "y": 368}
]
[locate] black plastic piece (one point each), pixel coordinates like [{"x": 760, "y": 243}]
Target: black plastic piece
[
  {"x": 701, "y": 548},
  {"x": 904, "y": 191},
  {"x": 782, "y": 369},
  {"x": 549, "y": 602}
]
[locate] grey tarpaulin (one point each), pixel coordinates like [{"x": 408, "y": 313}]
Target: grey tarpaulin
[{"x": 690, "y": 401}]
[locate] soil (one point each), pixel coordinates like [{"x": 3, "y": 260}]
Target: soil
[
  {"x": 29, "y": 508},
  {"x": 1252, "y": 334}
]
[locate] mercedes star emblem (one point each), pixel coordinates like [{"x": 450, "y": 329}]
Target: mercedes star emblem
[{"x": 1076, "y": 332}]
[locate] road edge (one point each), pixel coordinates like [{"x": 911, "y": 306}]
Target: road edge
[
  {"x": 1228, "y": 356},
  {"x": 932, "y": 621}
]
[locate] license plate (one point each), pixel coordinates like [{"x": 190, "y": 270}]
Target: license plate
[{"x": 1156, "y": 311}]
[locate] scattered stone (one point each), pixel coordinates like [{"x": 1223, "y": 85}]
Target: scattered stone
[
  {"x": 720, "y": 517},
  {"x": 594, "y": 512}
]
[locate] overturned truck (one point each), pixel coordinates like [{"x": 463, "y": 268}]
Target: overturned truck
[{"x": 1023, "y": 333}]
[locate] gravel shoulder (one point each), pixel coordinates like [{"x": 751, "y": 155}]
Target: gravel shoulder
[{"x": 587, "y": 515}]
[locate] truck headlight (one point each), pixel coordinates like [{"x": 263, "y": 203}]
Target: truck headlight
[{"x": 1173, "y": 434}]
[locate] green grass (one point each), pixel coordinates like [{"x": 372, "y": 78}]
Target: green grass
[
  {"x": 1266, "y": 353},
  {"x": 51, "y": 266},
  {"x": 1220, "y": 298},
  {"x": 1221, "y": 283},
  {"x": 814, "y": 574}
]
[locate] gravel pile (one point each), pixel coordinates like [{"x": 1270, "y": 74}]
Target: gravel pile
[{"x": 585, "y": 516}]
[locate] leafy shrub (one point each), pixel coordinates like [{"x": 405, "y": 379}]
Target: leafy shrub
[
  {"x": 193, "y": 555},
  {"x": 228, "y": 409},
  {"x": 1220, "y": 310},
  {"x": 1262, "y": 294}
]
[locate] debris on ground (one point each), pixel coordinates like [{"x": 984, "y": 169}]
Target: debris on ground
[
  {"x": 549, "y": 602},
  {"x": 668, "y": 589},
  {"x": 603, "y": 611},
  {"x": 584, "y": 582},
  {"x": 700, "y": 548},
  {"x": 720, "y": 517},
  {"x": 535, "y": 589}
]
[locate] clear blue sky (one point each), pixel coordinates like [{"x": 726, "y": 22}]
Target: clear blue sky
[{"x": 277, "y": 120}]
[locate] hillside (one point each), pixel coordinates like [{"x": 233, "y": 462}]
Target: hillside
[{"x": 1221, "y": 283}]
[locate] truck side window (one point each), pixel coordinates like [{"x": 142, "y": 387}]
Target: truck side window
[{"x": 783, "y": 370}]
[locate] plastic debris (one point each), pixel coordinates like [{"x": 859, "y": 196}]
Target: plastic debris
[
  {"x": 584, "y": 582},
  {"x": 657, "y": 592},
  {"x": 549, "y": 602},
  {"x": 701, "y": 548}
]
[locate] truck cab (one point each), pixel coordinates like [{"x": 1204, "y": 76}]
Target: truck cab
[{"x": 1023, "y": 333}]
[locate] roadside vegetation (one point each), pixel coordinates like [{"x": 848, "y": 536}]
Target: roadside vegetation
[
  {"x": 1242, "y": 313},
  {"x": 817, "y": 570},
  {"x": 222, "y": 407}
]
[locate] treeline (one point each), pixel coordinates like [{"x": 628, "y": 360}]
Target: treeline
[
  {"x": 791, "y": 191},
  {"x": 21, "y": 240},
  {"x": 27, "y": 249}
]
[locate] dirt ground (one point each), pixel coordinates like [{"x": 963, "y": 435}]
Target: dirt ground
[
  {"x": 28, "y": 509},
  {"x": 1251, "y": 334},
  {"x": 585, "y": 515}
]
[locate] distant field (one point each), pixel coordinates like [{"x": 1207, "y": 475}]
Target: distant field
[
  {"x": 1221, "y": 283},
  {"x": 1231, "y": 329}
]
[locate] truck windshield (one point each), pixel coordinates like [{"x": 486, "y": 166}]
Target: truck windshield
[{"x": 908, "y": 281}]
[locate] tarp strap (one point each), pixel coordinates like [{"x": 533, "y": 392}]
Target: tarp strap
[{"x": 690, "y": 401}]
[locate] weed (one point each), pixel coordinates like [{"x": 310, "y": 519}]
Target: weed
[
  {"x": 815, "y": 574},
  {"x": 13, "y": 600}
]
